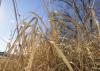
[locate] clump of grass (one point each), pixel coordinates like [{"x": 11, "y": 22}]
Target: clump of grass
[
  {"x": 38, "y": 51},
  {"x": 77, "y": 50}
]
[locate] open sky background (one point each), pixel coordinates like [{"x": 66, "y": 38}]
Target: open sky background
[{"x": 7, "y": 17}]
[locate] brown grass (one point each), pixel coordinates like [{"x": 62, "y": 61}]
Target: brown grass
[{"x": 40, "y": 51}]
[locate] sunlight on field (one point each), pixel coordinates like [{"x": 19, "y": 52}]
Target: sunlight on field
[{"x": 51, "y": 38}]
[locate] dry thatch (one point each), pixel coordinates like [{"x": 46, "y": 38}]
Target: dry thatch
[{"x": 36, "y": 50}]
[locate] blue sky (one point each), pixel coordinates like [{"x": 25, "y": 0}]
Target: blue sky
[{"x": 7, "y": 19}]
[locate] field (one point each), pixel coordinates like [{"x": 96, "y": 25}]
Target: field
[{"x": 48, "y": 49}]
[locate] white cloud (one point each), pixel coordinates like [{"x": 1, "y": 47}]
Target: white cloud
[
  {"x": 2, "y": 16},
  {"x": 2, "y": 45}
]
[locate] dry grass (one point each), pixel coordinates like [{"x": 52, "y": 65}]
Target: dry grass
[{"x": 40, "y": 51}]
